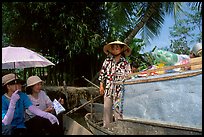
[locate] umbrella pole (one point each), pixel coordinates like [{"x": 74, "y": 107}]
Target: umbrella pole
[
  {"x": 14, "y": 71},
  {"x": 15, "y": 74}
]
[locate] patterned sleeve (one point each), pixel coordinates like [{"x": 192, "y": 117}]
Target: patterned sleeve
[
  {"x": 102, "y": 73},
  {"x": 128, "y": 69}
]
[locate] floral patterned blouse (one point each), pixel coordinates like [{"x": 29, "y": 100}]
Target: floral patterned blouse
[{"x": 111, "y": 72}]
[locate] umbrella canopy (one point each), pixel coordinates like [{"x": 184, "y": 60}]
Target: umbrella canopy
[{"x": 20, "y": 57}]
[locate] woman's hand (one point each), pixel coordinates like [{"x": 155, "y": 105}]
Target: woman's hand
[
  {"x": 14, "y": 98},
  {"x": 101, "y": 89},
  {"x": 49, "y": 109},
  {"x": 61, "y": 101}
]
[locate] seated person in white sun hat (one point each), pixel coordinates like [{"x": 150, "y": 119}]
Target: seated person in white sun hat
[
  {"x": 41, "y": 100},
  {"x": 14, "y": 102}
]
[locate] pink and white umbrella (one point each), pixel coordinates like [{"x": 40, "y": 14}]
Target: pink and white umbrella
[{"x": 20, "y": 57}]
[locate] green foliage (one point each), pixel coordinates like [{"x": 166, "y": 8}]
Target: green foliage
[
  {"x": 68, "y": 32},
  {"x": 60, "y": 31},
  {"x": 141, "y": 60},
  {"x": 5, "y": 39},
  {"x": 183, "y": 32},
  {"x": 58, "y": 23}
]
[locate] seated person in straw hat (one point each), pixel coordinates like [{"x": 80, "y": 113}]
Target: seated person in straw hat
[
  {"x": 114, "y": 68},
  {"x": 14, "y": 102},
  {"x": 39, "y": 98}
]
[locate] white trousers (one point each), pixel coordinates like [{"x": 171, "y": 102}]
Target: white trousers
[{"x": 108, "y": 112}]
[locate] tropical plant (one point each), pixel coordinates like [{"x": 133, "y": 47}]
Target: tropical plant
[
  {"x": 187, "y": 31},
  {"x": 58, "y": 30},
  {"x": 151, "y": 18},
  {"x": 72, "y": 34},
  {"x": 148, "y": 17}
]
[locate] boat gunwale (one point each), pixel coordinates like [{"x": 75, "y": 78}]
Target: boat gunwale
[
  {"x": 100, "y": 128},
  {"x": 177, "y": 75},
  {"x": 143, "y": 121},
  {"x": 162, "y": 124}
]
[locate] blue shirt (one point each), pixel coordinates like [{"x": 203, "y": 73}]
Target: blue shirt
[{"x": 22, "y": 104}]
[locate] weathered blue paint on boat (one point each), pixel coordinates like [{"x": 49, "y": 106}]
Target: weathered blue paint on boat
[
  {"x": 168, "y": 104},
  {"x": 176, "y": 100}
]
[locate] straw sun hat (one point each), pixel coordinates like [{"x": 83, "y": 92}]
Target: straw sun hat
[
  {"x": 32, "y": 80},
  {"x": 107, "y": 48},
  {"x": 8, "y": 78}
]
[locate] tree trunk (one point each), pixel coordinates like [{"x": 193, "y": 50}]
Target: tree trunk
[{"x": 150, "y": 10}]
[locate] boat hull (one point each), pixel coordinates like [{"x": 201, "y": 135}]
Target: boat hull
[
  {"x": 71, "y": 127},
  {"x": 173, "y": 100},
  {"x": 168, "y": 104},
  {"x": 137, "y": 127}
]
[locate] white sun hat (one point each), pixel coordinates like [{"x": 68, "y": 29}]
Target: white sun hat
[
  {"x": 32, "y": 80},
  {"x": 8, "y": 78}
]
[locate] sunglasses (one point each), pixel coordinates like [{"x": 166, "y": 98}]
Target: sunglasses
[{"x": 16, "y": 82}]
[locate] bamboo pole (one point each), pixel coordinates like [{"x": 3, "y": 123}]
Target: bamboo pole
[
  {"x": 90, "y": 82},
  {"x": 90, "y": 101},
  {"x": 91, "y": 107},
  {"x": 75, "y": 109}
]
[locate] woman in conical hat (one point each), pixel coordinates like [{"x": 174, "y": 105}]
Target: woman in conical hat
[
  {"x": 126, "y": 50},
  {"x": 114, "y": 68}
]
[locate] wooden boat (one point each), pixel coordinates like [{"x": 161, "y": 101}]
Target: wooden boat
[
  {"x": 97, "y": 107},
  {"x": 167, "y": 104},
  {"x": 137, "y": 127},
  {"x": 71, "y": 127}
]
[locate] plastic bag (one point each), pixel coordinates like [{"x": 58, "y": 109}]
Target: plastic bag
[
  {"x": 184, "y": 59},
  {"x": 160, "y": 65},
  {"x": 166, "y": 57}
]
